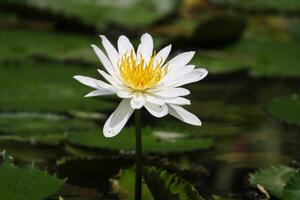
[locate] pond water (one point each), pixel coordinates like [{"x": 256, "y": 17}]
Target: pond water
[{"x": 233, "y": 110}]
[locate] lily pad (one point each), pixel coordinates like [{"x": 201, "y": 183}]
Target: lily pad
[
  {"x": 26, "y": 152},
  {"x": 273, "y": 178},
  {"x": 100, "y": 14},
  {"x": 164, "y": 185},
  {"x": 47, "y": 44},
  {"x": 258, "y": 53},
  {"x": 35, "y": 125},
  {"x": 286, "y": 108},
  {"x": 28, "y": 183},
  {"x": 73, "y": 49},
  {"x": 292, "y": 189},
  {"x": 125, "y": 142},
  {"x": 47, "y": 88}
]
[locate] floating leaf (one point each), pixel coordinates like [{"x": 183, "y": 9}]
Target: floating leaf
[
  {"x": 29, "y": 183},
  {"x": 125, "y": 142},
  {"x": 292, "y": 189},
  {"x": 273, "y": 178},
  {"x": 286, "y": 108},
  {"x": 26, "y": 152},
  {"x": 73, "y": 46},
  {"x": 100, "y": 14},
  {"x": 73, "y": 49},
  {"x": 259, "y": 53},
  {"x": 164, "y": 185},
  {"x": 47, "y": 88}
]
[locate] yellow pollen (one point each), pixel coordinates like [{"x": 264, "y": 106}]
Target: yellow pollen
[{"x": 139, "y": 75}]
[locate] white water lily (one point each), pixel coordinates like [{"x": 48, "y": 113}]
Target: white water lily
[{"x": 143, "y": 78}]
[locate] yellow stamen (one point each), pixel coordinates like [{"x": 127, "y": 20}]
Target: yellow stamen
[{"x": 139, "y": 75}]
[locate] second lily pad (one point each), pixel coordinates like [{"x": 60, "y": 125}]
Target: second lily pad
[{"x": 125, "y": 142}]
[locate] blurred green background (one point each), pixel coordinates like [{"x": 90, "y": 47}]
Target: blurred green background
[{"x": 249, "y": 103}]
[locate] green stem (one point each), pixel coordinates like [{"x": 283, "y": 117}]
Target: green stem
[{"x": 138, "y": 155}]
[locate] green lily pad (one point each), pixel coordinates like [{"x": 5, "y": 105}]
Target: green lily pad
[
  {"x": 262, "y": 56},
  {"x": 100, "y": 14},
  {"x": 273, "y": 178},
  {"x": 164, "y": 185},
  {"x": 125, "y": 142},
  {"x": 66, "y": 47},
  {"x": 39, "y": 124},
  {"x": 48, "y": 88},
  {"x": 28, "y": 183},
  {"x": 27, "y": 152},
  {"x": 47, "y": 44},
  {"x": 258, "y": 53},
  {"x": 292, "y": 189},
  {"x": 286, "y": 108}
]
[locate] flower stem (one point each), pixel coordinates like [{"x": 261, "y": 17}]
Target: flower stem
[{"x": 138, "y": 155}]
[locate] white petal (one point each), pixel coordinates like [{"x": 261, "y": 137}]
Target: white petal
[
  {"x": 172, "y": 92},
  {"x": 110, "y": 78},
  {"x": 125, "y": 94},
  {"x": 184, "y": 115},
  {"x": 118, "y": 119},
  {"x": 94, "y": 83},
  {"x": 124, "y": 45},
  {"x": 157, "y": 110},
  {"x": 104, "y": 60},
  {"x": 196, "y": 75},
  {"x": 146, "y": 47},
  {"x": 137, "y": 101},
  {"x": 99, "y": 93},
  {"x": 181, "y": 59},
  {"x": 178, "y": 101},
  {"x": 177, "y": 73},
  {"x": 153, "y": 99},
  {"x": 111, "y": 51},
  {"x": 163, "y": 54}
]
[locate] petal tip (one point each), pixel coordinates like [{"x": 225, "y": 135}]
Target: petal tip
[{"x": 93, "y": 46}]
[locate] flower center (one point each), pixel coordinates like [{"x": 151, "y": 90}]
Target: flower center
[{"x": 139, "y": 75}]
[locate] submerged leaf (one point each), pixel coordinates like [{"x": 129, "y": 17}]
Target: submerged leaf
[
  {"x": 123, "y": 185},
  {"x": 292, "y": 189},
  {"x": 164, "y": 185},
  {"x": 273, "y": 178},
  {"x": 29, "y": 183}
]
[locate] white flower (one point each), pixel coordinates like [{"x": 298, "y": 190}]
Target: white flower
[{"x": 143, "y": 78}]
